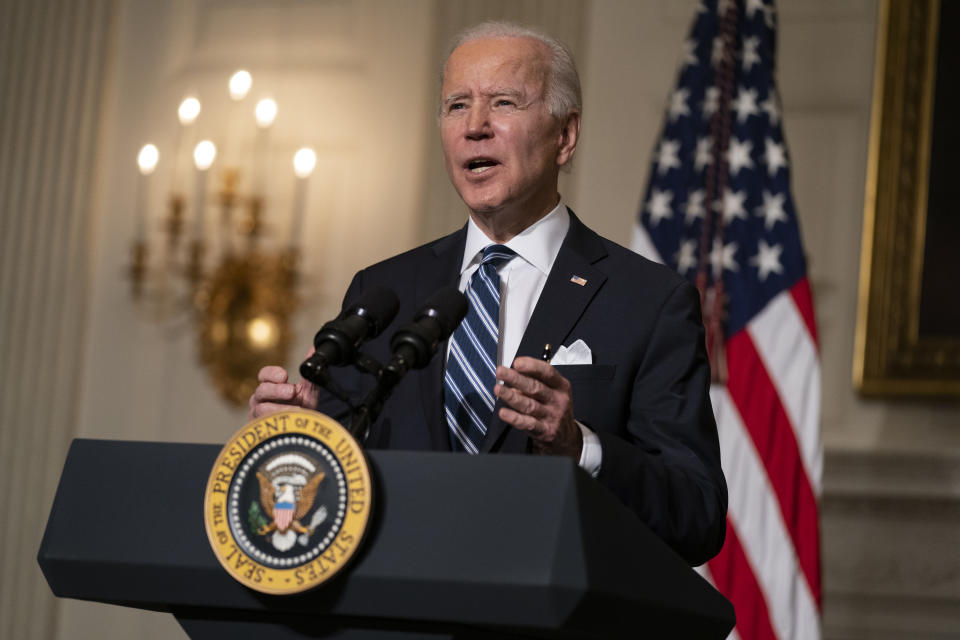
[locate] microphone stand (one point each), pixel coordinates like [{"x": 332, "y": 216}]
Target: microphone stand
[{"x": 366, "y": 413}]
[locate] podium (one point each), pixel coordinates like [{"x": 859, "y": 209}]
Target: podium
[{"x": 492, "y": 546}]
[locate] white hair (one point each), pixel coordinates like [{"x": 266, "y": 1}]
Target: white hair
[{"x": 562, "y": 88}]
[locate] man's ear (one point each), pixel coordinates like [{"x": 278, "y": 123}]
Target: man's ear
[{"x": 569, "y": 134}]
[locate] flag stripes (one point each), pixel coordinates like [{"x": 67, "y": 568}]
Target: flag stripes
[
  {"x": 738, "y": 583},
  {"x": 763, "y": 532}
]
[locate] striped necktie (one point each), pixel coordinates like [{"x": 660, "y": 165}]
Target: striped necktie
[{"x": 472, "y": 362}]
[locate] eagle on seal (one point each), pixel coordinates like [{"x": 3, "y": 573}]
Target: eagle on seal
[{"x": 286, "y": 509}]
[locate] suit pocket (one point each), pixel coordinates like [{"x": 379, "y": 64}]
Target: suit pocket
[{"x": 587, "y": 371}]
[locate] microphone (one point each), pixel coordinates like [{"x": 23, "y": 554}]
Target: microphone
[
  {"x": 337, "y": 341},
  {"x": 414, "y": 344}
]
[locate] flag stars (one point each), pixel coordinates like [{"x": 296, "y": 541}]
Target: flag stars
[
  {"x": 753, "y": 6},
  {"x": 704, "y": 153},
  {"x": 689, "y": 58},
  {"x": 694, "y": 207},
  {"x": 767, "y": 260},
  {"x": 749, "y": 54},
  {"x": 738, "y": 155},
  {"x": 711, "y": 101},
  {"x": 718, "y": 52},
  {"x": 722, "y": 257},
  {"x": 733, "y": 205},
  {"x": 775, "y": 157},
  {"x": 658, "y": 206},
  {"x": 745, "y": 104},
  {"x": 678, "y": 104},
  {"x": 771, "y": 107},
  {"x": 668, "y": 155},
  {"x": 686, "y": 256},
  {"x": 772, "y": 210}
]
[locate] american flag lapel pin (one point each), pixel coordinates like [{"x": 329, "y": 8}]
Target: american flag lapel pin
[{"x": 575, "y": 279}]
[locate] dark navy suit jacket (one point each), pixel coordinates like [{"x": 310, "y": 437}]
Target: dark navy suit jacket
[{"x": 646, "y": 395}]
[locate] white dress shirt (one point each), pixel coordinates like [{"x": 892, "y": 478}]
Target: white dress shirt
[{"x": 521, "y": 282}]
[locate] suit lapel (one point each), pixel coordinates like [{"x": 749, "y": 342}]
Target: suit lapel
[
  {"x": 440, "y": 268},
  {"x": 572, "y": 283}
]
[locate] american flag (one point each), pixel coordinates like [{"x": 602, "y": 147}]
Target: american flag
[{"x": 718, "y": 202}]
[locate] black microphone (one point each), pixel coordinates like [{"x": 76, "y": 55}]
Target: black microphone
[
  {"x": 414, "y": 344},
  {"x": 337, "y": 341}
]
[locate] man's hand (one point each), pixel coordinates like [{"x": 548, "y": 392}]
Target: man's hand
[
  {"x": 274, "y": 393},
  {"x": 540, "y": 403}
]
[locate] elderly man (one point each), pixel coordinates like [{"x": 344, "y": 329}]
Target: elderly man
[{"x": 627, "y": 397}]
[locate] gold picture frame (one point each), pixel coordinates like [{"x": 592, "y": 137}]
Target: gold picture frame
[{"x": 894, "y": 354}]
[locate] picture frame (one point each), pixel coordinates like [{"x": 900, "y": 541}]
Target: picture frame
[{"x": 908, "y": 319}]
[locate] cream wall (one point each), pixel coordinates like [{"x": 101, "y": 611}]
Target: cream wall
[{"x": 357, "y": 78}]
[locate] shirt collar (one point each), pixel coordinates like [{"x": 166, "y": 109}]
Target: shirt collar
[{"x": 538, "y": 244}]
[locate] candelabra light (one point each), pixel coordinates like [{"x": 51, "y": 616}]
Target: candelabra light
[{"x": 220, "y": 276}]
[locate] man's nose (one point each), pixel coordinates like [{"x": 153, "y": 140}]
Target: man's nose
[{"x": 478, "y": 123}]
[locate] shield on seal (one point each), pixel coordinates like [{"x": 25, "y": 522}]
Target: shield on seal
[{"x": 284, "y": 508}]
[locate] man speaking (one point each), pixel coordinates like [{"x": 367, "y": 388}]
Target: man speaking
[{"x": 625, "y": 392}]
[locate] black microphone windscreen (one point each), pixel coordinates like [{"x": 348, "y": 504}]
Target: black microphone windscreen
[
  {"x": 448, "y": 306},
  {"x": 378, "y": 305}
]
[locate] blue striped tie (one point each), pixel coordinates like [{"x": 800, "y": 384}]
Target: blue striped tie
[{"x": 471, "y": 365}]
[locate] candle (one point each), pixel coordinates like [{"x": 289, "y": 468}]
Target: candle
[
  {"x": 233, "y": 120},
  {"x": 203, "y": 156},
  {"x": 147, "y": 161},
  {"x": 266, "y": 113},
  {"x": 303, "y": 163},
  {"x": 187, "y": 114}
]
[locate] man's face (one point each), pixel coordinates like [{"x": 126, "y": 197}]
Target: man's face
[{"x": 502, "y": 147}]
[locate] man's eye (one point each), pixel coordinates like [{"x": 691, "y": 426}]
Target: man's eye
[
  {"x": 503, "y": 102},
  {"x": 456, "y": 106}
]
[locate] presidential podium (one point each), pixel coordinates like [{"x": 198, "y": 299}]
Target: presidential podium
[{"x": 494, "y": 546}]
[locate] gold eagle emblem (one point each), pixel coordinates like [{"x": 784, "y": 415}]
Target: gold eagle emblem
[{"x": 303, "y": 503}]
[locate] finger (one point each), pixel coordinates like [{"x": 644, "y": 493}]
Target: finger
[
  {"x": 542, "y": 371},
  {"x": 529, "y": 424},
  {"x": 307, "y": 395},
  {"x": 262, "y": 409},
  {"x": 518, "y": 401},
  {"x": 527, "y": 385},
  {"x": 270, "y": 392},
  {"x": 272, "y": 373}
]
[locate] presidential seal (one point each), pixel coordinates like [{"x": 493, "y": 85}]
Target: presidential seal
[{"x": 288, "y": 502}]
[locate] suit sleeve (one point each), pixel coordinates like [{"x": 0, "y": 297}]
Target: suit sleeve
[{"x": 665, "y": 463}]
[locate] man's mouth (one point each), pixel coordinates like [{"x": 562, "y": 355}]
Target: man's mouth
[{"x": 479, "y": 165}]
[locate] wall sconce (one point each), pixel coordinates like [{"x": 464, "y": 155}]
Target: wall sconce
[{"x": 241, "y": 301}]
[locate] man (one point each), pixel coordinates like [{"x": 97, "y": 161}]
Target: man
[{"x": 633, "y": 407}]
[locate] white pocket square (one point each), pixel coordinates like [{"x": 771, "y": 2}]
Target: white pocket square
[{"x": 576, "y": 353}]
